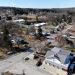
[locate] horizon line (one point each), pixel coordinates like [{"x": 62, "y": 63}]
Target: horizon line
[{"x": 37, "y": 7}]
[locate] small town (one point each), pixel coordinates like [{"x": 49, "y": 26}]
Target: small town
[{"x": 37, "y": 41}]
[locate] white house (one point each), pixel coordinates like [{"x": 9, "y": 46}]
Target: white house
[
  {"x": 56, "y": 61},
  {"x": 39, "y": 24},
  {"x": 19, "y": 21},
  {"x": 42, "y": 25},
  {"x": 33, "y": 28}
]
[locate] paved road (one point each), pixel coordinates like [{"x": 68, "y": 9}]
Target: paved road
[{"x": 11, "y": 60}]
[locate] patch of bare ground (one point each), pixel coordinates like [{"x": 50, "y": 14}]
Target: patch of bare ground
[{"x": 3, "y": 53}]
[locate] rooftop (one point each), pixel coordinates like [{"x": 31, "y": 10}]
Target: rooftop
[
  {"x": 19, "y": 20},
  {"x": 39, "y": 24},
  {"x": 58, "y": 54}
]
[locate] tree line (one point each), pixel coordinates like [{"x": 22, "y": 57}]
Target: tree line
[{"x": 28, "y": 10}]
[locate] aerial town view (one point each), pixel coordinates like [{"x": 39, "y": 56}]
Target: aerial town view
[{"x": 37, "y": 37}]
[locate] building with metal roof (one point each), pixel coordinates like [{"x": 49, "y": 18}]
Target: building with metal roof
[{"x": 57, "y": 61}]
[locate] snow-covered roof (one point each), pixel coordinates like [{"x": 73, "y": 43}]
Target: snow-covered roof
[
  {"x": 19, "y": 20},
  {"x": 39, "y": 24},
  {"x": 57, "y": 55},
  {"x": 56, "y": 49}
]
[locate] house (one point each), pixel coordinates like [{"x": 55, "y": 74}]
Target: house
[
  {"x": 57, "y": 61},
  {"x": 18, "y": 43},
  {"x": 19, "y": 21},
  {"x": 33, "y": 28},
  {"x": 8, "y": 16},
  {"x": 42, "y": 25}
]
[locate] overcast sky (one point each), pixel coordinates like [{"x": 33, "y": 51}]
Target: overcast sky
[{"x": 38, "y": 3}]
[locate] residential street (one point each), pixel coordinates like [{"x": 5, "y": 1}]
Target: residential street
[
  {"x": 17, "y": 62},
  {"x": 11, "y": 61}
]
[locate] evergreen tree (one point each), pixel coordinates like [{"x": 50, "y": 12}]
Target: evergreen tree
[
  {"x": 69, "y": 19},
  {"x": 64, "y": 17},
  {"x": 39, "y": 35},
  {"x": 40, "y": 32},
  {"x": 37, "y": 19},
  {"x": 5, "y": 37}
]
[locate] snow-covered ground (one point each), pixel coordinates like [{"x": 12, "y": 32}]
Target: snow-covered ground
[
  {"x": 5, "y": 64},
  {"x": 28, "y": 67}
]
